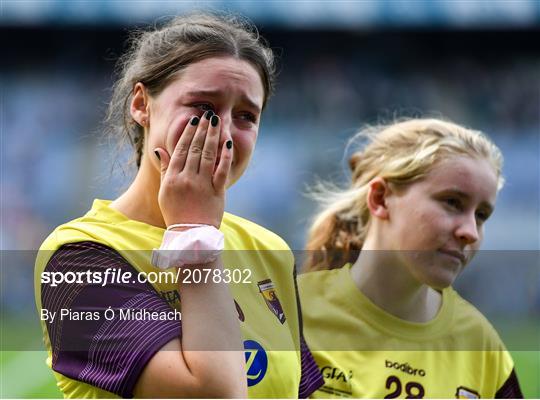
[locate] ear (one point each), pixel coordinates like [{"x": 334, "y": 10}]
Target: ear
[
  {"x": 378, "y": 191},
  {"x": 139, "y": 105}
]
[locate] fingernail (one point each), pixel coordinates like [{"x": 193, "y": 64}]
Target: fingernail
[
  {"x": 208, "y": 114},
  {"x": 229, "y": 144},
  {"x": 157, "y": 155},
  {"x": 215, "y": 120},
  {"x": 194, "y": 121}
]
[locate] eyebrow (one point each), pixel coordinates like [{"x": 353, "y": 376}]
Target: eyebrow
[
  {"x": 217, "y": 93},
  {"x": 465, "y": 195}
]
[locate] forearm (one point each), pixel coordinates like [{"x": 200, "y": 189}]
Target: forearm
[{"x": 212, "y": 347}]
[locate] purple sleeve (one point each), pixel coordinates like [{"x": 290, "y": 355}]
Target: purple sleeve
[
  {"x": 510, "y": 389},
  {"x": 311, "y": 378},
  {"x": 109, "y": 353}
]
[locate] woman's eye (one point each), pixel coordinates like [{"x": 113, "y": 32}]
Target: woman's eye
[
  {"x": 453, "y": 203},
  {"x": 204, "y": 106},
  {"x": 482, "y": 216},
  {"x": 247, "y": 116}
]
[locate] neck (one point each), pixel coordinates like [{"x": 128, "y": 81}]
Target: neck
[
  {"x": 140, "y": 201},
  {"x": 378, "y": 275}
]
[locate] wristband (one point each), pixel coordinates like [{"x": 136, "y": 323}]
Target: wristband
[
  {"x": 171, "y": 227},
  {"x": 199, "y": 245}
]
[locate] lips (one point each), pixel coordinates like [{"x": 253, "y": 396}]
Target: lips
[{"x": 455, "y": 253}]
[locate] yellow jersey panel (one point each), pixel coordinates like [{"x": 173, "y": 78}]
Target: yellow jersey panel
[{"x": 364, "y": 352}]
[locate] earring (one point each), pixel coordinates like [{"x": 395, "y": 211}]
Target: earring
[{"x": 143, "y": 122}]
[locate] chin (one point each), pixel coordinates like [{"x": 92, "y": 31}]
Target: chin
[
  {"x": 441, "y": 280},
  {"x": 436, "y": 272}
]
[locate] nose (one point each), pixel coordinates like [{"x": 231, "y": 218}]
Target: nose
[{"x": 467, "y": 231}]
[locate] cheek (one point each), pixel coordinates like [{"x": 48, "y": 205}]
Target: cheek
[
  {"x": 244, "y": 144},
  {"x": 409, "y": 223},
  {"x": 423, "y": 229},
  {"x": 434, "y": 219},
  {"x": 167, "y": 123},
  {"x": 174, "y": 130}
]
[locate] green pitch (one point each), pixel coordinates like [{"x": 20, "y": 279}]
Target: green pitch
[{"x": 25, "y": 375}]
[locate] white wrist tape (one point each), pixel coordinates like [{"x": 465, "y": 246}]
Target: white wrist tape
[{"x": 199, "y": 245}]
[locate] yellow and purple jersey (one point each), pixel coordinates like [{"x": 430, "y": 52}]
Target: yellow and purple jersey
[
  {"x": 365, "y": 352},
  {"x": 109, "y": 323}
]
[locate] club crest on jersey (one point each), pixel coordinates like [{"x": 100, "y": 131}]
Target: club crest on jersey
[
  {"x": 268, "y": 291},
  {"x": 465, "y": 393}
]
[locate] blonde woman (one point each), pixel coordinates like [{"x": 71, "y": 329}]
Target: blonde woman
[{"x": 379, "y": 310}]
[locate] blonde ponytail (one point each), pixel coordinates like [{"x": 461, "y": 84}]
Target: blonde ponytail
[{"x": 336, "y": 235}]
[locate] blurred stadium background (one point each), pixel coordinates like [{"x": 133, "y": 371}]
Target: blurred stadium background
[{"x": 343, "y": 64}]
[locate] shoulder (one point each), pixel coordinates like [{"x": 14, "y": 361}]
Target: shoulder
[
  {"x": 321, "y": 292},
  {"x": 318, "y": 281},
  {"x": 498, "y": 365},
  {"x": 241, "y": 233},
  {"x": 104, "y": 225},
  {"x": 98, "y": 223},
  {"x": 95, "y": 237},
  {"x": 469, "y": 321},
  {"x": 74, "y": 231},
  {"x": 70, "y": 232}
]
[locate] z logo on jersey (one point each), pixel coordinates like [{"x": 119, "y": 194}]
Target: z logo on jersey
[
  {"x": 256, "y": 362},
  {"x": 268, "y": 291}
]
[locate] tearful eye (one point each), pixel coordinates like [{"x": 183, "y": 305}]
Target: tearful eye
[
  {"x": 203, "y": 106},
  {"x": 247, "y": 116}
]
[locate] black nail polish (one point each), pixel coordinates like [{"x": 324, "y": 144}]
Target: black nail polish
[
  {"x": 229, "y": 144},
  {"x": 157, "y": 155},
  {"x": 208, "y": 114},
  {"x": 194, "y": 121},
  {"x": 214, "y": 120}
]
